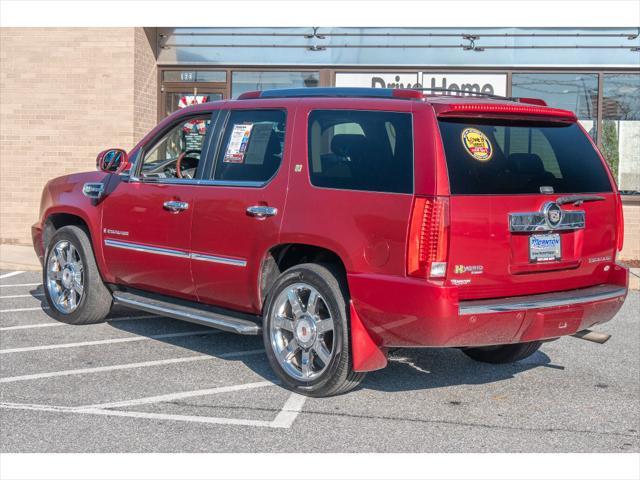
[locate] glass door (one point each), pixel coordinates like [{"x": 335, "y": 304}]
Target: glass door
[{"x": 175, "y": 99}]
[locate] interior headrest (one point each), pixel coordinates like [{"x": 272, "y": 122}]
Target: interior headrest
[
  {"x": 343, "y": 144},
  {"x": 527, "y": 162}
]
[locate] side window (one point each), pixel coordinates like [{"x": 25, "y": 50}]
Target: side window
[
  {"x": 252, "y": 146},
  {"x": 361, "y": 150},
  {"x": 177, "y": 153}
]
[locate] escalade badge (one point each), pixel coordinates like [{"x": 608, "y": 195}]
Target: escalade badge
[{"x": 552, "y": 214}]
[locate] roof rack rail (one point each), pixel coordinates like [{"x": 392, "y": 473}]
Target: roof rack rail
[
  {"x": 334, "y": 92},
  {"x": 365, "y": 92}
]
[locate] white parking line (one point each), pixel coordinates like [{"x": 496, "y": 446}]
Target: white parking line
[
  {"x": 289, "y": 412},
  {"x": 22, "y": 285},
  {"x": 30, "y": 309},
  {"x": 60, "y": 324},
  {"x": 127, "y": 366},
  {"x": 10, "y": 274},
  {"x": 106, "y": 342},
  {"x": 33, "y": 325},
  {"x": 284, "y": 419},
  {"x": 176, "y": 396},
  {"x": 143, "y": 415},
  {"x": 23, "y": 296}
]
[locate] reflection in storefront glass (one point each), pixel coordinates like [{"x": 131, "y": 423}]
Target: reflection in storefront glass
[
  {"x": 248, "y": 81},
  {"x": 175, "y": 101},
  {"x": 577, "y": 92},
  {"x": 194, "y": 76},
  {"x": 621, "y": 128}
]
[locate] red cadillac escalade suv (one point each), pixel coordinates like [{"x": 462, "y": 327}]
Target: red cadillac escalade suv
[{"x": 340, "y": 222}]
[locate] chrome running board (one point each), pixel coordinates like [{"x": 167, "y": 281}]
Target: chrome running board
[{"x": 187, "y": 311}]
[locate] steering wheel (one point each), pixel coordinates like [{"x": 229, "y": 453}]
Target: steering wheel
[{"x": 181, "y": 157}]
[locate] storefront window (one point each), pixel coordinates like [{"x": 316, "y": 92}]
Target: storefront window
[
  {"x": 177, "y": 100},
  {"x": 577, "y": 92},
  {"x": 247, "y": 81},
  {"x": 621, "y": 128},
  {"x": 215, "y": 76}
]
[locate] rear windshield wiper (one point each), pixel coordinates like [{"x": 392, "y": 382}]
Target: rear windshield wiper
[{"x": 578, "y": 199}]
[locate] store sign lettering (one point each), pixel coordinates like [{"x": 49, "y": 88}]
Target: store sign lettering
[
  {"x": 380, "y": 82},
  {"x": 462, "y": 84}
]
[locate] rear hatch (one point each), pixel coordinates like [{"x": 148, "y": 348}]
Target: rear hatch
[{"x": 532, "y": 206}]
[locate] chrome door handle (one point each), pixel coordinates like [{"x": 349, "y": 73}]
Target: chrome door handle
[
  {"x": 261, "y": 211},
  {"x": 175, "y": 206}
]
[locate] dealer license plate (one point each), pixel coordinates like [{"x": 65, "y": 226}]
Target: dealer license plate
[{"x": 544, "y": 248}]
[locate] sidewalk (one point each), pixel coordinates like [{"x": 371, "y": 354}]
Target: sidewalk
[
  {"x": 22, "y": 257},
  {"x": 18, "y": 257}
]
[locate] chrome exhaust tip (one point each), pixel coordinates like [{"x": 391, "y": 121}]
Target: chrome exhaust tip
[{"x": 592, "y": 336}]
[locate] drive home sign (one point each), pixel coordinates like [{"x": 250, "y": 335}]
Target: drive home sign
[{"x": 464, "y": 83}]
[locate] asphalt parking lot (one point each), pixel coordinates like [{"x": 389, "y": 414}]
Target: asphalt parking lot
[{"x": 141, "y": 383}]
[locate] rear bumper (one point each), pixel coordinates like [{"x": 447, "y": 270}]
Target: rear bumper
[
  {"x": 542, "y": 301},
  {"x": 402, "y": 312}
]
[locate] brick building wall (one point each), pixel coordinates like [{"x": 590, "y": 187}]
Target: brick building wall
[
  {"x": 145, "y": 82},
  {"x": 66, "y": 94}
]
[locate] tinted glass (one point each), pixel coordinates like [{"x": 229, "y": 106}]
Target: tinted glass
[
  {"x": 577, "y": 92},
  {"x": 177, "y": 153},
  {"x": 175, "y": 101},
  {"x": 621, "y": 128},
  {"x": 359, "y": 150},
  {"x": 248, "y": 81},
  {"x": 510, "y": 158},
  {"x": 194, "y": 76},
  {"x": 252, "y": 146}
]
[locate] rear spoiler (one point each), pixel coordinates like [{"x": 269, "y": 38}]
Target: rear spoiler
[{"x": 502, "y": 110}]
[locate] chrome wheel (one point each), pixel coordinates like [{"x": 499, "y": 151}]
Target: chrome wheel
[
  {"x": 301, "y": 332},
  {"x": 65, "y": 277}
]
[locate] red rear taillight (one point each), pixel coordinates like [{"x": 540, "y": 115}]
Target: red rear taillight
[
  {"x": 619, "y": 224},
  {"x": 427, "y": 246}
]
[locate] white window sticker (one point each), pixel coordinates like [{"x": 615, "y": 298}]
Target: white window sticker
[{"x": 238, "y": 143}]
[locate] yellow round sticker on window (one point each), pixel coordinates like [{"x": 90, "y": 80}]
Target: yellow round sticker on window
[{"x": 477, "y": 144}]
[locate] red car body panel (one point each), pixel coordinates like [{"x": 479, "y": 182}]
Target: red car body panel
[
  {"x": 367, "y": 230},
  {"x": 221, "y": 227},
  {"x": 133, "y": 212}
]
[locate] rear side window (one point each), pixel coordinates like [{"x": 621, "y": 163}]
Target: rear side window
[
  {"x": 361, "y": 150},
  {"x": 500, "y": 157},
  {"x": 252, "y": 146}
]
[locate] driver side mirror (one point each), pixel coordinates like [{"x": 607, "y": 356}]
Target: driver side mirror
[{"x": 112, "y": 160}]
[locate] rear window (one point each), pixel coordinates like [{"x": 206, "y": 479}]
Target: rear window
[
  {"x": 361, "y": 150},
  {"x": 500, "y": 157}
]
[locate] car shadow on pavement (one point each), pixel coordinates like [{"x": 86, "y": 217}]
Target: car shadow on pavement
[
  {"x": 426, "y": 368},
  {"x": 408, "y": 369}
]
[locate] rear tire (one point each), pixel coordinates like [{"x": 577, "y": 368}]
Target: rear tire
[
  {"x": 72, "y": 284},
  {"x": 308, "y": 344},
  {"x": 503, "y": 353}
]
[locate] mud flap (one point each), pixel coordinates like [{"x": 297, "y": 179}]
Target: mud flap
[{"x": 367, "y": 355}]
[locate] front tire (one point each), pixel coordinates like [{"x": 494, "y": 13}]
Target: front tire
[
  {"x": 503, "y": 353},
  {"x": 72, "y": 284},
  {"x": 306, "y": 331}
]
